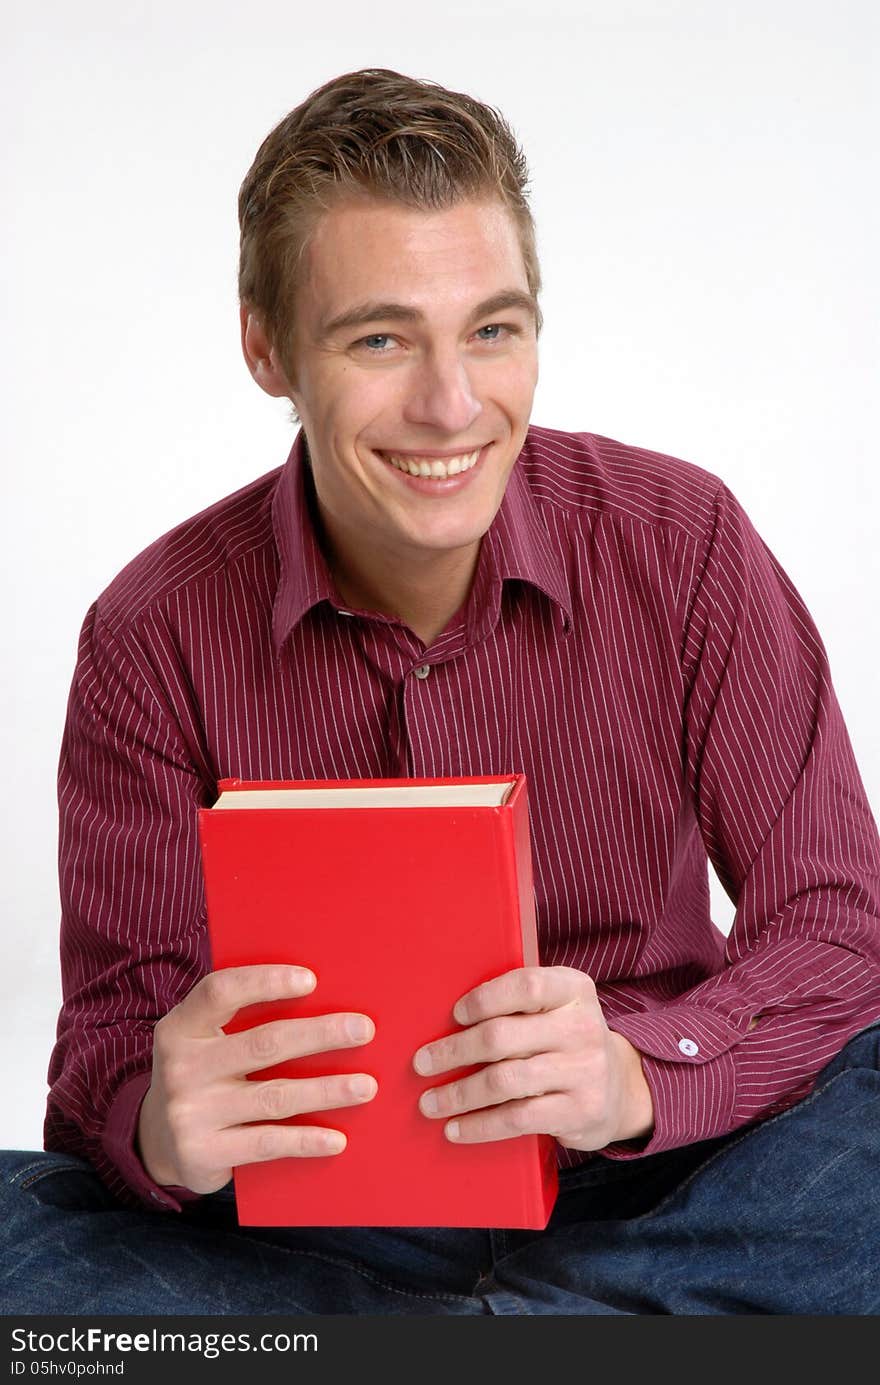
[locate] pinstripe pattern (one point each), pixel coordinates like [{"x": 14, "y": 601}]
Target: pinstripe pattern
[{"x": 629, "y": 644}]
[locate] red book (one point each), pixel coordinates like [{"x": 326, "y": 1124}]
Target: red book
[{"x": 400, "y": 895}]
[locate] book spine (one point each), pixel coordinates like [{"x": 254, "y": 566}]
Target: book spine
[
  {"x": 521, "y": 846},
  {"x": 539, "y": 1177}
]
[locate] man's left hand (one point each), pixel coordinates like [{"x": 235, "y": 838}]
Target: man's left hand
[{"x": 552, "y": 1065}]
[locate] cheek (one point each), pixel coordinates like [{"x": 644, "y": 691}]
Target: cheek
[
  {"x": 343, "y": 405},
  {"x": 528, "y": 372},
  {"x": 374, "y": 406},
  {"x": 515, "y": 403},
  {"x": 511, "y": 383}
]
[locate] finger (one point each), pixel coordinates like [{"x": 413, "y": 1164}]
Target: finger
[
  {"x": 508, "y": 1036},
  {"x": 236, "y": 1055},
  {"x": 532, "y": 1116},
  {"x": 496, "y": 1085},
  {"x": 255, "y": 1144},
  {"x": 279, "y": 1099},
  {"x": 525, "y": 990},
  {"x": 219, "y": 996}
]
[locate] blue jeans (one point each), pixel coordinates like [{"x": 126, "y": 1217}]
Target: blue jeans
[{"x": 780, "y": 1218}]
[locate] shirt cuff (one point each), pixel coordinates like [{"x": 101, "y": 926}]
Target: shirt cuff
[
  {"x": 689, "y": 1066},
  {"x": 119, "y": 1144}
]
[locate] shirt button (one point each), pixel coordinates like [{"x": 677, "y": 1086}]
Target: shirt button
[
  {"x": 688, "y": 1047},
  {"x": 422, "y": 671}
]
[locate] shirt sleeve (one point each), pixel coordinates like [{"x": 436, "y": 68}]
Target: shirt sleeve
[
  {"x": 132, "y": 924},
  {"x": 783, "y": 813}
]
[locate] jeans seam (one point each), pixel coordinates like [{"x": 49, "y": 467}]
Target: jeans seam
[
  {"x": 374, "y": 1278},
  {"x": 38, "y": 1172}
]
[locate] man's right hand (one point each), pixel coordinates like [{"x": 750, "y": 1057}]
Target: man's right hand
[{"x": 201, "y": 1115}]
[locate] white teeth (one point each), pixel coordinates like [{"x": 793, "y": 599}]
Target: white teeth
[{"x": 431, "y": 467}]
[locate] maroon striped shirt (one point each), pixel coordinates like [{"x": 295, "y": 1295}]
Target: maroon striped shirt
[{"x": 629, "y": 643}]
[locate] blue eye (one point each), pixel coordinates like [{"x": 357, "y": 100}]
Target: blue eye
[
  {"x": 494, "y": 327},
  {"x": 377, "y": 341}
]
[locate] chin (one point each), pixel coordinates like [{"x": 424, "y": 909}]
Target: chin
[{"x": 450, "y": 541}]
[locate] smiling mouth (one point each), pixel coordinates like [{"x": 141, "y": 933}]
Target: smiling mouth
[{"x": 433, "y": 468}]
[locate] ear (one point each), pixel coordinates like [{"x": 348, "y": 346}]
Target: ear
[{"x": 261, "y": 358}]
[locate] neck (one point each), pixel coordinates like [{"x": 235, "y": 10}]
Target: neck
[{"x": 425, "y": 595}]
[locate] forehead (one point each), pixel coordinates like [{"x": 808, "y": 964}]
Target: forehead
[{"x": 372, "y": 248}]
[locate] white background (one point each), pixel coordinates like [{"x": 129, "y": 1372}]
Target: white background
[{"x": 705, "y": 191}]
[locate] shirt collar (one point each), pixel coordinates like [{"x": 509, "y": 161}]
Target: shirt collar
[
  {"x": 305, "y": 577},
  {"x": 517, "y": 545}
]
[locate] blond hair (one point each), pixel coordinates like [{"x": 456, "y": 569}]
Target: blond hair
[{"x": 376, "y": 133}]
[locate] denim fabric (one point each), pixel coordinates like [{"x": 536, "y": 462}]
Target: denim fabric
[{"x": 781, "y": 1218}]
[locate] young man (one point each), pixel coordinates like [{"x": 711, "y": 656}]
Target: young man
[{"x": 430, "y": 586}]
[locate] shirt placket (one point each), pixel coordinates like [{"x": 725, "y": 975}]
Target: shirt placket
[{"x": 416, "y": 733}]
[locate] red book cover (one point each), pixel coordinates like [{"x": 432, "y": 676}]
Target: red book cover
[{"x": 398, "y": 910}]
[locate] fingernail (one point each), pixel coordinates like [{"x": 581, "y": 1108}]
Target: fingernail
[
  {"x": 429, "y": 1103},
  {"x": 362, "y": 1087},
  {"x": 423, "y": 1062},
  {"x": 453, "y": 1130},
  {"x": 358, "y": 1028}
]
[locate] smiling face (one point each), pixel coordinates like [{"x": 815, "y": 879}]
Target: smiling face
[{"x": 415, "y": 351}]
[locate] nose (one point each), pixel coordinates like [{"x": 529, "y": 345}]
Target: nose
[{"x": 442, "y": 395}]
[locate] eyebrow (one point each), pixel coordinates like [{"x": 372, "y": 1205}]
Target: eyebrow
[{"x": 363, "y": 313}]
